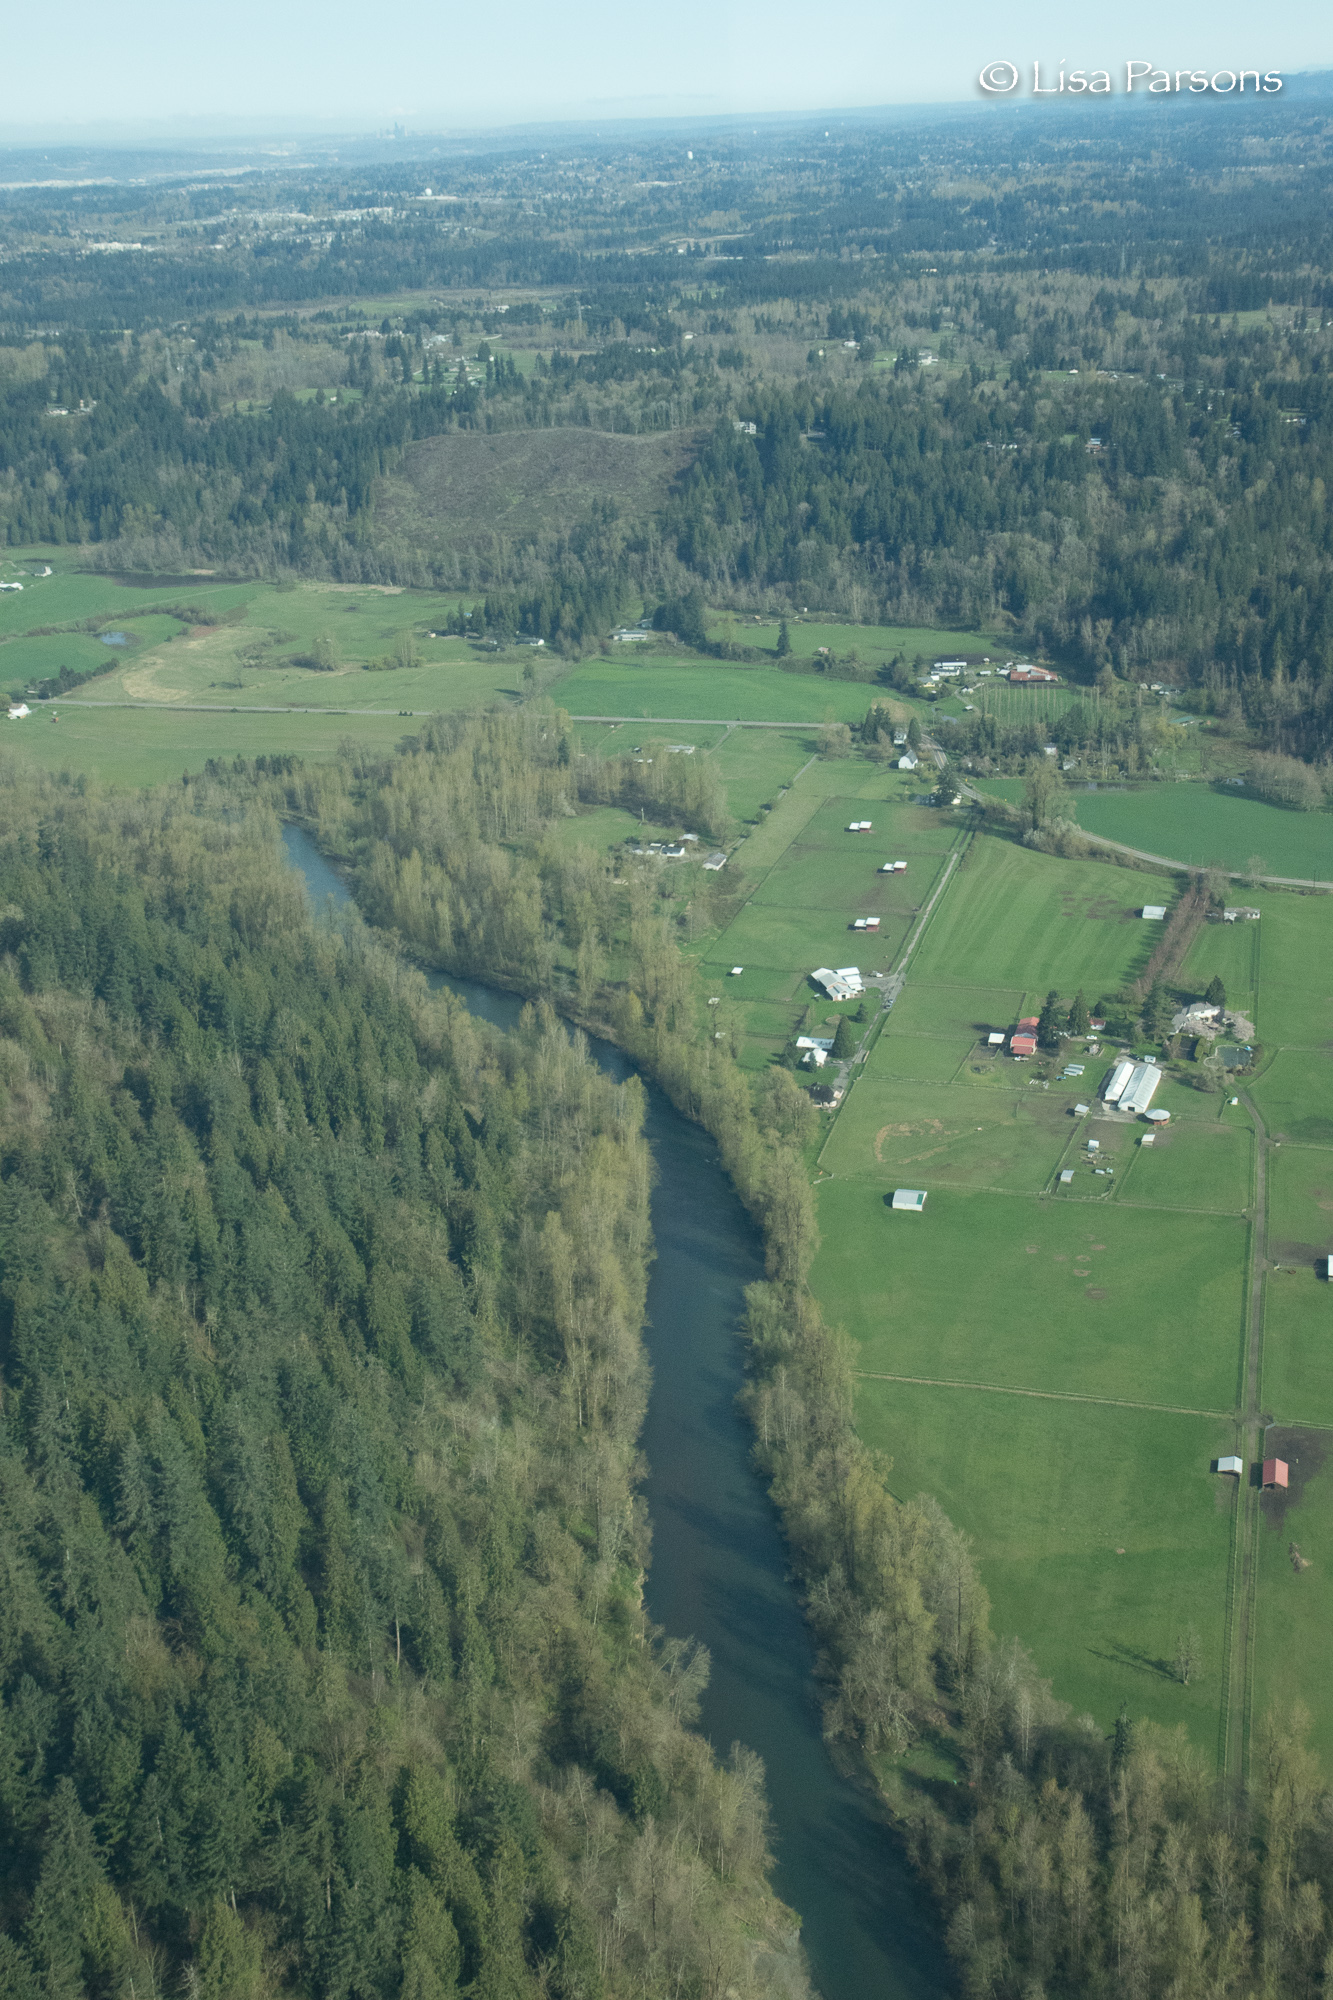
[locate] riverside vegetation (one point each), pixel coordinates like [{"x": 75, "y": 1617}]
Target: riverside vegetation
[{"x": 1064, "y": 1863}]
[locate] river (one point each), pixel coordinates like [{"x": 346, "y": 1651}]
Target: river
[{"x": 719, "y": 1570}]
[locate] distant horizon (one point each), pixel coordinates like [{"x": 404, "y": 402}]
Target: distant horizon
[{"x": 278, "y": 135}]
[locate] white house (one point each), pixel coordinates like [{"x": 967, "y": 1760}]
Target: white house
[
  {"x": 17, "y": 710},
  {"x": 907, "y": 762}
]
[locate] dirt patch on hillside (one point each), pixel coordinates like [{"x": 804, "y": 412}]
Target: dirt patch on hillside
[
  {"x": 1305, "y": 1453},
  {"x": 1303, "y": 1255},
  {"x": 469, "y": 486}
]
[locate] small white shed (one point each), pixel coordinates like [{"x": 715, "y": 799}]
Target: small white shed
[
  {"x": 911, "y": 1199},
  {"x": 1154, "y": 912},
  {"x": 1231, "y": 1464}
]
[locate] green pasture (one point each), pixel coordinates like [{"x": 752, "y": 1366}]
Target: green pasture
[
  {"x": 873, "y": 643},
  {"x": 1295, "y": 1095},
  {"x": 1020, "y": 918},
  {"x": 1298, "y": 1344},
  {"x": 1100, "y": 1300},
  {"x": 915, "y": 1059},
  {"x": 135, "y": 747},
  {"x": 814, "y": 877},
  {"x": 1101, "y": 1534},
  {"x": 899, "y": 827},
  {"x": 1300, "y": 1203},
  {"x": 1295, "y": 969},
  {"x": 1229, "y": 952},
  {"x": 949, "y": 1010},
  {"x": 1208, "y": 826},
  {"x": 1295, "y": 1606},
  {"x": 1198, "y": 1166},
  {"x": 901, "y": 1134},
  {"x": 756, "y": 764},
  {"x": 706, "y": 691},
  {"x": 800, "y": 939}
]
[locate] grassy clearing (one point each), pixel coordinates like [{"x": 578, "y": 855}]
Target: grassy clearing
[
  {"x": 1196, "y": 824},
  {"x": 1035, "y": 921},
  {"x": 814, "y": 877},
  {"x": 706, "y": 690},
  {"x": 1051, "y": 1493},
  {"x": 946, "y": 1010},
  {"x": 873, "y": 643},
  {"x": 916, "y": 1058},
  {"x": 471, "y": 487},
  {"x": 1295, "y": 1607},
  {"x": 1090, "y": 1299},
  {"x": 132, "y": 747},
  {"x": 756, "y": 764}
]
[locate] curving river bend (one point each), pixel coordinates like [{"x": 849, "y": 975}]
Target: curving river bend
[{"x": 718, "y": 1565}]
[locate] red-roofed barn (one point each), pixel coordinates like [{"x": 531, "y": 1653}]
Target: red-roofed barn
[{"x": 1275, "y": 1472}]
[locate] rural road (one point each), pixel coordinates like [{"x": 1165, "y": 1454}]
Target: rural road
[
  {"x": 1238, "y": 1691},
  {"x": 1167, "y": 861}
]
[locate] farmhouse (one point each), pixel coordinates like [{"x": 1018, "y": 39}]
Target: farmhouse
[
  {"x": 1231, "y": 1464},
  {"x": 1275, "y": 1473},
  {"x": 1153, "y": 912},
  {"x": 911, "y": 1199},
  {"x": 1022, "y": 1045},
  {"x": 823, "y": 1043},
  {"x": 907, "y": 762}
]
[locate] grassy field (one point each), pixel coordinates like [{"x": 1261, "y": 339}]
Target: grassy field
[
  {"x": 1088, "y": 1299},
  {"x": 649, "y": 684},
  {"x": 1030, "y": 920},
  {"x": 1101, "y": 1534},
  {"x": 1295, "y": 1604},
  {"x": 128, "y": 747},
  {"x": 1197, "y": 824}
]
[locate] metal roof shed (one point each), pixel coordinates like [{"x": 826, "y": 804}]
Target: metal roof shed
[
  {"x": 1154, "y": 912},
  {"x": 1232, "y": 1464},
  {"x": 911, "y": 1199},
  {"x": 1275, "y": 1472}
]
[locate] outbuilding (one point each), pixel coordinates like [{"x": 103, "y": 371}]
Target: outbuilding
[
  {"x": 1116, "y": 1081},
  {"x": 995, "y": 1040},
  {"x": 1153, "y": 912},
  {"x": 1231, "y": 1464},
  {"x": 1328, "y": 1269},
  {"x": 1066, "y": 1176},
  {"x": 1022, "y": 1045},
  {"x": 860, "y": 826},
  {"x": 1275, "y": 1473},
  {"x": 907, "y": 762},
  {"x": 911, "y": 1199}
]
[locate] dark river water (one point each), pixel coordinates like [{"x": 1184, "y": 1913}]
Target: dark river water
[{"x": 718, "y": 1571}]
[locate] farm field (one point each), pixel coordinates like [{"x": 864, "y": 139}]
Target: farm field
[
  {"x": 1295, "y": 1605},
  {"x": 1127, "y": 1287},
  {"x": 129, "y": 747},
  {"x": 1088, "y": 1299},
  {"x": 1204, "y": 826},
  {"x": 1101, "y": 1534},
  {"x": 706, "y": 691},
  {"x": 1020, "y": 918}
]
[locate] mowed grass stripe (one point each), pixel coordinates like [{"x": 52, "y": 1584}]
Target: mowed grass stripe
[{"x": 1047, "y": 1395}]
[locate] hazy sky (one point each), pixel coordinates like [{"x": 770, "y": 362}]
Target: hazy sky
[{"x": 333, "y": 62}]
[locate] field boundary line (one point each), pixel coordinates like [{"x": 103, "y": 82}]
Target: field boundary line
[{"x": 1047, "y": 1395}]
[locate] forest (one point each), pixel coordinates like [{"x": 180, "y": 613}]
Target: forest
[{"x": 323, "y": 1657}]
